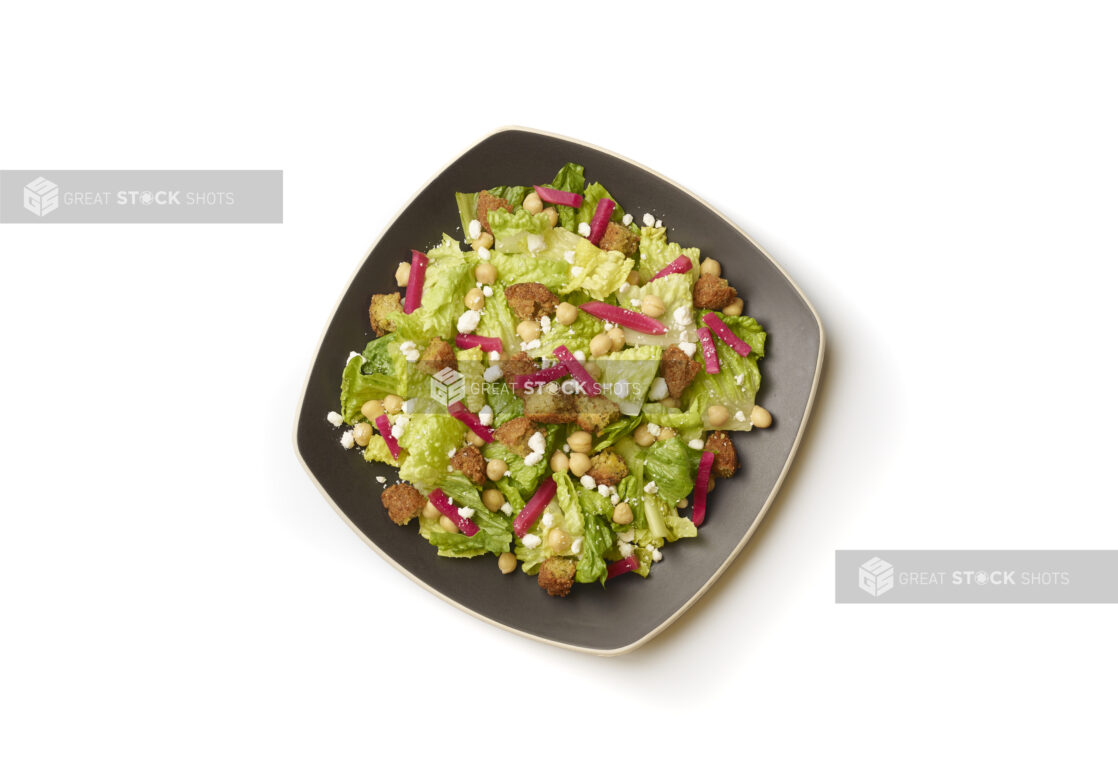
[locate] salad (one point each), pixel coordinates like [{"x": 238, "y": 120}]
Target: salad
[{"x": 559, "y": 392}]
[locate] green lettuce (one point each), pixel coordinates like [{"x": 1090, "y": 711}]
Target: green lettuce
[
  {"x": 656, "y": 252},
  {"x": 430, "y": 439},
  {"x": 358, "y": 388},
  {"x": 467, "y": 202},
  {"x": 673, "y": 465},
  {"x": 449, "y": 276},
  {"x": 619, "y": 429},
  {"x": 525, "y": 477},
  {"x": 377, "y": 451},
  {"x": 519, "y": 232},
  {"x": 514, "y": 268},
  {"x": 598, "y": 272},
  {"x": 570, "y": 178},
  {"x": 595, "y": 192},
  {"x": 675, "y": 290},
  {"x": 683, "y": 421},
  {"x": 471, "y": 364},
  {"x": 628, "y": 374},
  {"x": 735, "y": 387},
  {"x": 574, "y": 337},
  {"x": 498, "y": 321},
  {"x": 664, "y": 521}
]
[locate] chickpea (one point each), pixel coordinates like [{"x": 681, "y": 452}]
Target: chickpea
[
  {"x": 392, "y": 404},
  {"x": 616, "y": 338},
  {"x": 710, "y": 267},
  {"x": 734, "y": 308},
  {"x": 528, "y": 330},
  {"x": 506, "y": 562},
  {"x": 372, "y": 409},
  {"x": 623, "y": 514},
  {"x": 666, "y": 433},
  {"x": 492, "y": 499},
  {"x": 560, "y": 462},
  {"x": 600, "y": 345},
  {"x": 448, "y": 525},
  {"x": 486, "y": 273},
  {"x": 579, "y": 463},
  {"x": 494, "y": 469},
  {"x": 718, "y": 415},
  {"x": 634, "y": 277},
  {"x": 681, "y": 504},
  {"x": 473, "y": 439},
  {"x": 430, "y": 511},
  {"x": 670, "y": 403},
  {"x": 362, "y": 433},
  {"x": 533, "y": 203},
  {"x": 403, "y": 273},
  {"x": 760, "y": 417},
  {"x": 485, "y": 240},
  {"x": 594, "y": 370},
  {"x": 580, "y": 441},
  {"x": 552, "y": 216},
  {"x": 475, "y": 299},
  {"x": 566, "y": 313},
  {"x": 652, "y": 305},
  {"x": 558, "y": 540},
  {"x": 643, "y": 437}
]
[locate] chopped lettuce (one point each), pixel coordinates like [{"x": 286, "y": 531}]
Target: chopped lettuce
[
  {"x": 471, "y": 364},
  {"x": 358, "y": 388},
  {"x": 735, "y": 387},
  {"x": 672, "y": 465},
  {"x": 513, "y": 268},
  {"x": 615, "y": 430},
  {"x": 692, "y": 419},
  {"x": 498, "y": 321},
  {"x": 525, "y": 477},
  {"x": 570, "y": 178},
  {"x": 598, "y": 272},
  {"x": 519, "y": 232},
  {"x": 679, "y": 310},
  {"x": 377, "y": 451},
  {"x": 627, "y": 375},
  {"x": 575, "y": 337},
  {"x": 594, "y": 192},
  {"x": 664, "y": 520},
  {"x": 430, "y": 439},
  {"x": 449, "y": 276},
  {"x": 656, "y": 252},
  {"x": 467, "y": 202}
]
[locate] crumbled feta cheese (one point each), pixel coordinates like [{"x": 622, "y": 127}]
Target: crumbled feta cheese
[
  {"x": 487, "y": 291},
  {"x": 465, "y": 513},
  {"x": 653, "y": 429},
  {"x": 567, "y": 448},
  {"x": 682, "y": 315},
  {"x": 537, "y": 442},
  {"x": 397, "y": 431},
  {"x": 624, "y": 287},
  {"x": 658, "y": 390},
  {"x": 535, "y": 243},
  {"x": 474, "y": 229},
  {"x": 740, "y": 416},
  {"x": 576, "y": 545},
  {"x": 492, "y": 373},
  {"x": 739, "y": 379},
  {"x": 531, "y": 541},
  {"x": 347, "y": 439},
  {"x": 635, "y": 302},
  {"x": 614, "y": 499},
  {"x": 609, "y": 326},
  {"x": 477, "y": 284},
  {"x": 334, "y": 418},
  {"x": 626, "y": 550},
  {"x": 587, "y": 482},
  {"x": 696, "y": 444},
  {"x": 548, "y": 519},
  {"x": 576, "y": 271},
  {"x": 651, "y": 487},
  {"x": 506, "y": 509},
  {"x": 648, "y": 219},
  {"x": 381, "y": 479},
  {"x": 410, "y": 351},
  {"x": 483, "y": 253},
  {"x": 485, "y": 416},
  {"x": 545, "y": 324},
  {"x": 656, "y": 555},
  {"x": 533, "y": 459},
  {"x": 451, "y": 452},
  {"x": 494, "y": 356},
  {"x": 580, "y": 356},
  {"x": 659, "y": 223},
  {"x": 533, "y": 344},
  {"x": 569, "y": 256},
  {"x": 584, "y": 229},
  {"x": 688, "y": 347},
  {"x": 469, "y": 320},
  {"x": 625, "y": 221},
  {"x": 409, "y": 406},
  {"x": 603, "y": 490}
]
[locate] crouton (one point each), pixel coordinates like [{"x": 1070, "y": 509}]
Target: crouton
[
  {"x": 486, "y": 203},
  {"x": 595, "y": 412},
  {"x": 469, "y": 462},
  {"x": 515, "y": 434},
  {"x": 607, "y": 468},
  {"x": 438, "y": 355},
  {"x": 550, "y": 404},
  {"x": 678, "y": 370},
  {"x": 713, "y": 292},
  {"x": 531, "y": 300},
  {"x": 403, "y": 502},
  {"x": 725, "y": 456},
  {"x": 521, "y": 364},
  {"x": 557, "y": 575},
  {"x": 381, "y": 306},
  {"x": 620, "y": 239}
]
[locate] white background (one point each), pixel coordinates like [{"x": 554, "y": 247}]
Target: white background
[{"x": 175, "y": 595}]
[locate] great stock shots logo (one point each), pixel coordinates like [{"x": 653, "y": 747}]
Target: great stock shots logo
[
  {"x": 40, "y": 197},
  {"x": 448, "y": 386},
  {"x": 875, "y": 577}
]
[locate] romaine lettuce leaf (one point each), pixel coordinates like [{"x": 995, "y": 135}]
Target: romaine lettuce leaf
[
  {"x": 471, "y": 364},
  {"x": 619, "y": 429},
  {"x": 598, "y": 272},
  {"x": 519, "y": 232},
  {"x": 574, "y": 337},
  {"x": 570, "y": 178},
  {"x": 673, "y": 466},
  {"x": 628, "y": 374},
  {"x": 429, "y": 439},
  {"x": 498, "y": 321},
  {"x": 675, "y": 290},
  {"x": 735, "y": 387},
  {"x": 358, "y": 388},
  {"x": 656, "y": 252},
  {"x": 449, "y": 276},
  {"x": 513, "y": 268},
  {"x": 664, "y": 521},
  {"x": 377, "y": 451},
  {"x": 590, "y": 197},
  {"x": 525, "y": 477}
]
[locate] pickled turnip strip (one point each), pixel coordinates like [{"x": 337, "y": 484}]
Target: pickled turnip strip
[
  {"x": 463, "y": 415},
  {"x": 576, "y": 370},
  {"x": 680, "y": 265},
  {"x": 621, "y": 567},
  {"x": 469, "y": 341},
  {"x": 543, "y": 376},
  {"x": 534, "y": 507},
  {"x": 600, "y": 220},
  {"x": 727, "y": 335},
  {"x": 414, "y": 294},
  {"x": 702, "y": 481},
  {"x": 624, "y": 317},
  {"x": 441, "y": 502},
  {"x": 710, "y": 352},
  {"x": 385, "y": 428},
  {"x": 552, "y": 196}
]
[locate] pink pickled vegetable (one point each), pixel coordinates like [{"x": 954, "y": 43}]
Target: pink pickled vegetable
[
  {"x": 414, "y": 293},
  {"x": 600, "y": 220},
  {"x": 469, "y": 341},
  {"x": 576, "y": 369},
  {"x": 459, "y": 411},
  {"x": 543, "y": 376},
  {"x": 626, "y": 318},
  {"x": 620, "y": 568},
  {"x": 552, "y": 196},
  {"x": 727, "y": 335},
  {"x": 385, "y": 429},
  {"x": 439, "y": 499},
  {"x": 680, "y": 265},
  {"x": 534, "y": 507},
  {"x": 710, "y": 352},
  {"x": 702, "y": 481}
]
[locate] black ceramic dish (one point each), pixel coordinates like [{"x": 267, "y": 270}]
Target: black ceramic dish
[{"x": 630, "y": 610}]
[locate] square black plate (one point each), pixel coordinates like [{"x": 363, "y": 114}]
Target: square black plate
[{"x": 631, "y": 610}]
